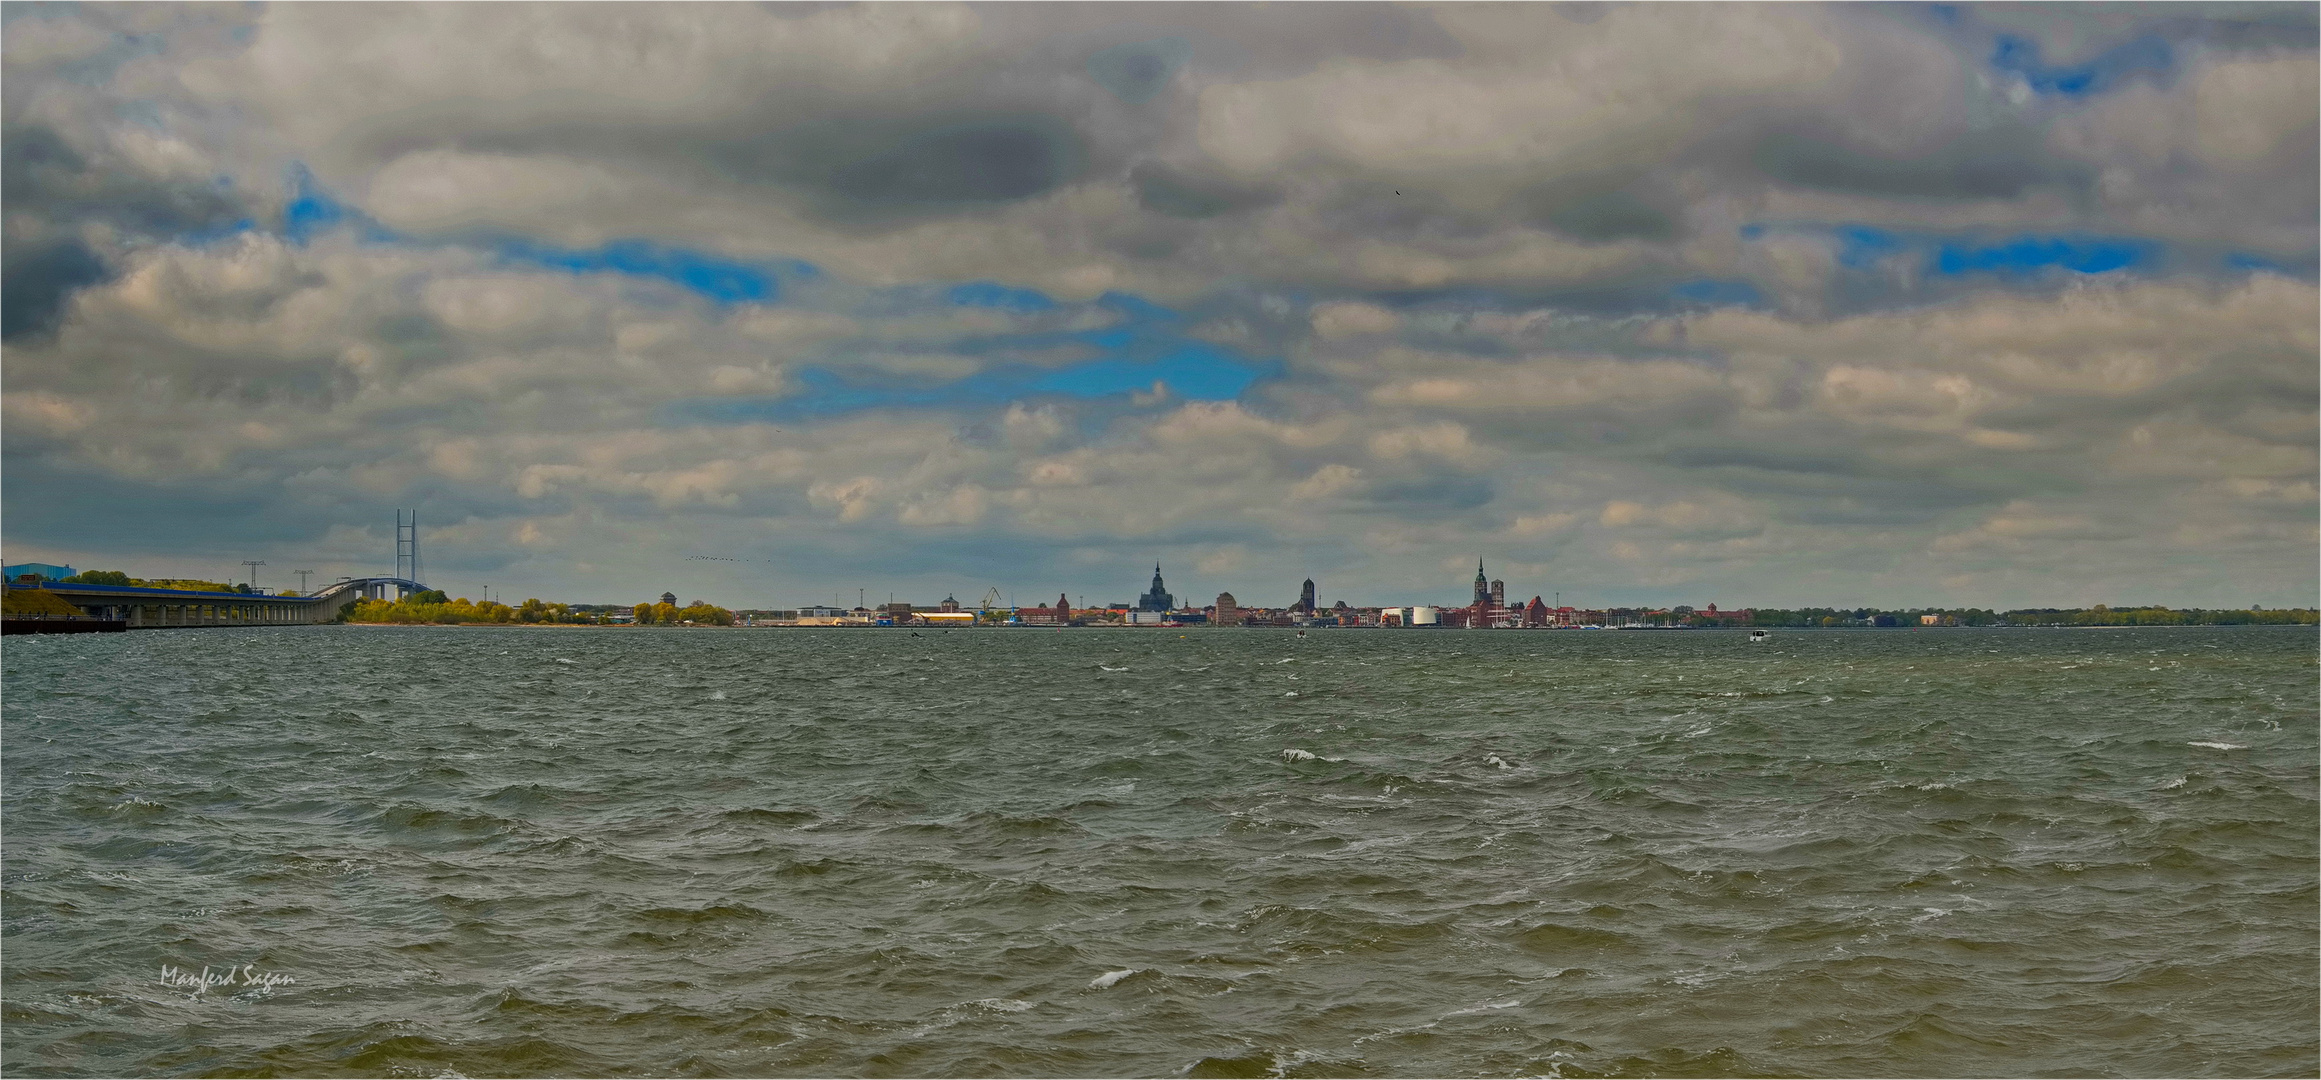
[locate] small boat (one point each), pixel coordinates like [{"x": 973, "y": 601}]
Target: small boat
[{"x": 1756, "y": 636}]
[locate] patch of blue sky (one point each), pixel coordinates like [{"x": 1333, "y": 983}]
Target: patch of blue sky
[
  {"x": 991, "y": 294},
  {"x": 1128, "y": 358},
  {"x": 1136, "y": 308},
  {"x": 1194, "y": 370},
  {"x": 1862, "y": 246},
  {"x": 727, "y": 281},
  {"x": 2142, "y": 56},
  {"x": 1865, "y": 247},
  {"x": 2029, "y": 254},
  {"x": 1190, "y": 375},
  {"x": 214, "y": 233},
  {"x": 313, "y": 211},
  {"x": 309, "y": 213}
]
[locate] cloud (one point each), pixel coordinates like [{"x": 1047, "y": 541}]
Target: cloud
[{"x": 1785, "y": 303}]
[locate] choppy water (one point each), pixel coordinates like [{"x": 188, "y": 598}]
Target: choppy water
[{"x": 511, "y": 852}]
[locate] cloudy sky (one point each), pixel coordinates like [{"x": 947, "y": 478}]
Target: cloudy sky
[{"x": 763, "y": 304}]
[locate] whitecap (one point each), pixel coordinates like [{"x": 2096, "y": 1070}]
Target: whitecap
[
  {"x": 1285, "y": 660},
  {"x": 1105, "y": 981},
  {"x": 1112, "y": 668},
  {"x": 566, "y": 660},
  {"x": 1003, "y": 1004},
  {"x": 1292, "y": 693},
  {"x": 717, "y": 695},
  {"x": 2218, "y": 745},
  {"x": 1295, "y": 754},
  {"x": 2176, "y": 783},
  {"x": 1494, "y": 759}
]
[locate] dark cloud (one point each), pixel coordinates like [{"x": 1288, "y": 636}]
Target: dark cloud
[
  {"x": 1995, "y": 163},
  {"x": 1600, "y": 209},
  {"x": 34, "y": 284},
  {"x": 45, "y": 177},
  {"x": 977, "y": 161},
  {"x": 884, "y": 171},
  {"x": 1140, "y": 69},
  {"x": 1168, "y": 192}
]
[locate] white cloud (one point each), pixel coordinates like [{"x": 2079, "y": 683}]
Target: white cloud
[{"x": 1458, "y": 229}]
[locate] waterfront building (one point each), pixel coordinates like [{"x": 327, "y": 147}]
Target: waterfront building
[
  {"x": 1498, "y": 593},
  {"x": 1305, "y": 598},
  {"x": 950, "y": 603},
  {"x": 1158, "y": 599},
  {"x": 1228, "y": 610},
  {"x": 1535, "y": 613},
  {"x": 1482, "y": 585}
]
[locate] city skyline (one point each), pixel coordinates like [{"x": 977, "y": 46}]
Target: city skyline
[{"x": 1791, "y": 305}]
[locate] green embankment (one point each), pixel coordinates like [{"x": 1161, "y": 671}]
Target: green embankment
[{"x": 35, "y": 602}]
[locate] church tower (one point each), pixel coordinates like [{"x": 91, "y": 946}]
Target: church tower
[
  {"x": 1158, "y": 599},
  {"x": 1482, "y": 586}
]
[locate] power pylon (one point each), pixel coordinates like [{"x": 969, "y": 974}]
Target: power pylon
[{"x": 407, "y": 545}]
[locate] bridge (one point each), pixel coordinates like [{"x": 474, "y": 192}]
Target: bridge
[{"x": 148, "y": 609}]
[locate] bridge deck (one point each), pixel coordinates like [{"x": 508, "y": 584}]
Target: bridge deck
[{"x": 142, "y": 608}]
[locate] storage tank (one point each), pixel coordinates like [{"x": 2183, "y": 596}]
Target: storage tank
[{"x": 1423, "y": 615}]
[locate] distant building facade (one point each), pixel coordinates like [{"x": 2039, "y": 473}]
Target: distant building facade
[
  {"x": 1228, "y": 610},
  {"x": 1059, "y": 615}
]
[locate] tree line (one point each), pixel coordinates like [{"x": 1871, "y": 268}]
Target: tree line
[{"x": 433, "y": 607}]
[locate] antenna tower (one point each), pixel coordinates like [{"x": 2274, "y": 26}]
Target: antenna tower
[{"x": 407, "y": 564}]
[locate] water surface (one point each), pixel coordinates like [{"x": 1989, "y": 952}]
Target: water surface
[{"x": 1160, "y": 852}]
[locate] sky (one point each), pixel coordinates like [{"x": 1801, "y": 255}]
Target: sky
[{"x": 1784, "y": 305}]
